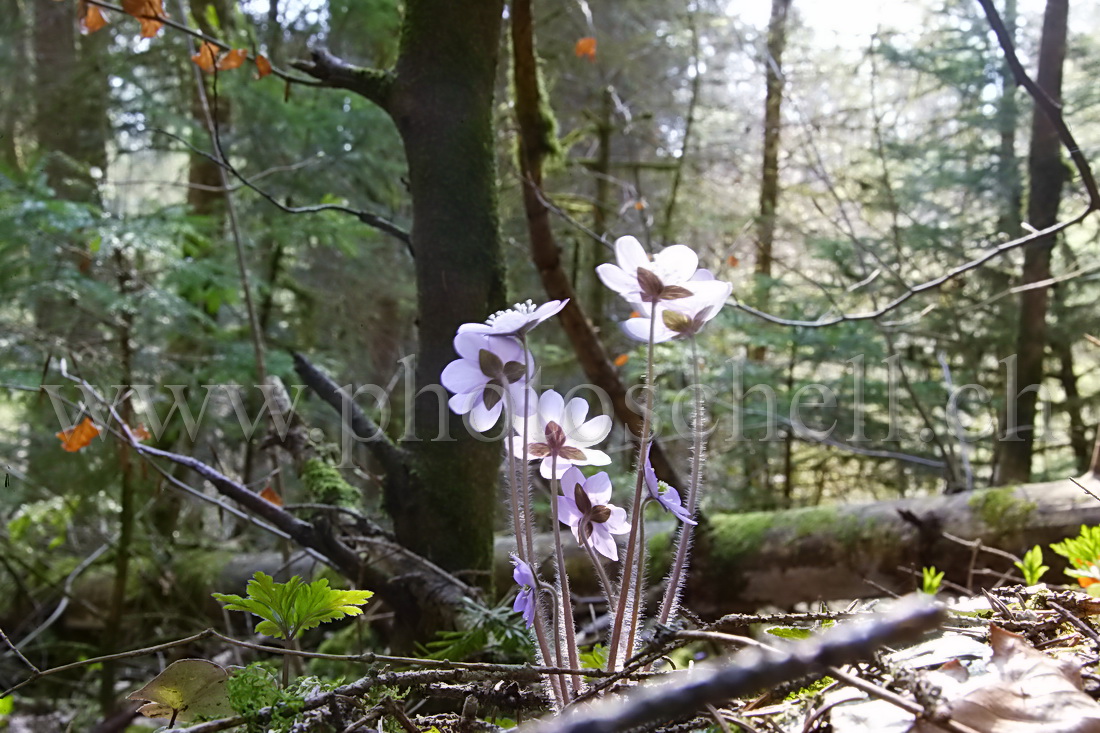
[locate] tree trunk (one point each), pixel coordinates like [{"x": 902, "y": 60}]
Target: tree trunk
[
  {"x": 1008, "y": 115},
  {"x": 769, "y": 178},
  {"x": 745, "y": 562},
  {"x": 442, "y": 103},
  {"x": 70, "y": 121},
  {"x": 1047, "y": 173}
]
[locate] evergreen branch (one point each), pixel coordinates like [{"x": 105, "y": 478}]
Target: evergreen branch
[{"x": 375, "y": 85}]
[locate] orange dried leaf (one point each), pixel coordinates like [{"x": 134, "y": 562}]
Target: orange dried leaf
[
  {"x": 148, "y": 13},
  {"x": 639, "y": 205},
  {"x": 206, "y": 58},
  {"x": 272, "y": 496},
  {"x": 622, "y": 359},
  {"x": 635, "y": 314},
  {"x": 91, "y": 20},
  {"x": 232, "y": 60},
  {"x": 78, "y": 436},
  {"x": 732, "y": 261},
  {"x": 1086, "y": 582},
  {"x": 586, "y": 48},
  {"x": 140, "y": 433},
  {"x": 263, "y": 66}
]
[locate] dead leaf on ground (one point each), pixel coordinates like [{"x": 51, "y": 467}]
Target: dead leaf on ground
[{"x": 1027, "y": 692}]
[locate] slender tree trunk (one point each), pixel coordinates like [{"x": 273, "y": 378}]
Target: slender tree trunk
[
  {"x": 595, "y": 291},
  {"x": 1047, "y": 174},
  {"x": 14, "y": 95},
  {"x": 442, "y": 103},
  {"x": 70, "y": 121},
  {"x": 1008, "y": 116},
  {"x": 769, "y": 179}
]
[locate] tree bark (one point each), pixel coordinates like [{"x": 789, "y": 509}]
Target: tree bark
[
  {"x": 442, "y": 103},
  {"x": 70, "y": 121},
  {"x": 545, "y": 252},
  {"x": 1047, "y": 174},
  {"x": 769, "y": 178},
  {"x": 745, "y": 562}
]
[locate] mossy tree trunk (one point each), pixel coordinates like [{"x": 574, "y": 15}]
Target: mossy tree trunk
[
  {"x": 441, "y": 487},
  {"x": 442, "y": 103},
  {"x": 745, "y": 562}
]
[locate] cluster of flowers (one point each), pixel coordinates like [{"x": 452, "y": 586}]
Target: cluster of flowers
[{"x": 672, "y": 298}]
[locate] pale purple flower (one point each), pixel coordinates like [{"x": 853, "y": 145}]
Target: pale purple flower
[
  {"x": 488, "y": 371},
  {"x": 517, "y": 320},
  {"x": 684, "y": 317},
  {"x": 667, "y": 276},
  {"x": 527, "y": 598},
  {"x": 664, "y": 494},
  {"x": 560, "y": 435},
  {"x": 584, "y": 506}
]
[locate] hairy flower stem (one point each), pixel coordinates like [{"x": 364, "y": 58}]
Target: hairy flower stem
[
  {"x": 671, "y": 600},
  {"x": 608, "y": 589},
  {"x": 519, "y": 515},
  {"x": 528, "y": 517},
  {"x": 555, "y": 681},
  {"x": 626, "y": 590},
  {"x": 565, "y": 599}
]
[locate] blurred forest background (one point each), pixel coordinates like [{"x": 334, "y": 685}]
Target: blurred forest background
[{"x": 825, "y": 157}]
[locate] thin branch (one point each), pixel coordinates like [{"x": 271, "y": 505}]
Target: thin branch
[
  {"x": 748, "y": 671},
  {"x": 375, "y": 85},
  {"x": 1052, "y": 109},
  {"x": 393, "y": 459},
  {"x": 929, "y": 285},
  {"x": 375, "y": 221},
  {"x": 199, "y": 35}
]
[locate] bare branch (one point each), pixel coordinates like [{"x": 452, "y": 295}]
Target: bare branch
[
  {"x": 392, "y": 458},
  {"x": 375, "y": 221},
  {"x": 199, "y": 35},
  {"x": 749, "y": 671},
  {"x": 375, "y": 85}
]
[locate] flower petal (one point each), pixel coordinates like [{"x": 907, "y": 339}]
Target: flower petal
[
  {"x": 463, "y": 402},
  {"x": 598, "y": 488},
  {"x": 568, "y": 512},
  {"x": 551, "y": 407},
  {"x": 483, "y": 418},
  {"x": 617, "y": 523},
  {"x": 591, "y": 432},
  {"x": 618, "y": 280},
  {"x": 462, "y": 375},
  {"x": 676, "y": 264},
  {"x": 603, "y": 543},
  {"x": 630, "y": 254},
  {"x": 597, "y": 457}
]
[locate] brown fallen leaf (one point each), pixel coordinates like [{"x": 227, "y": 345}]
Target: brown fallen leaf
[{"x": 1027, "y": 692}]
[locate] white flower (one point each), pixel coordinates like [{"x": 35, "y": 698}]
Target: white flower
[
  {"x": 668, "y": 276},
  {"x": 487, "y": 371},
  {"x": 684, "y": 317},
  {"x": 559, "y": 435},
  {"x": 585, "y": 506},
  {"x": 517, "y": 320}
]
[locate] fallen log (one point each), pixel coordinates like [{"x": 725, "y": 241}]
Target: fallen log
[{"x": 745, "y": 562}]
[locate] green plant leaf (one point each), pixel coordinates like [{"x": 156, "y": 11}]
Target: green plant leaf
[
  {"x": 289, "y": 608},
  {"x": 790, "y": 632},
  {"x": 188, "y": 689}
]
